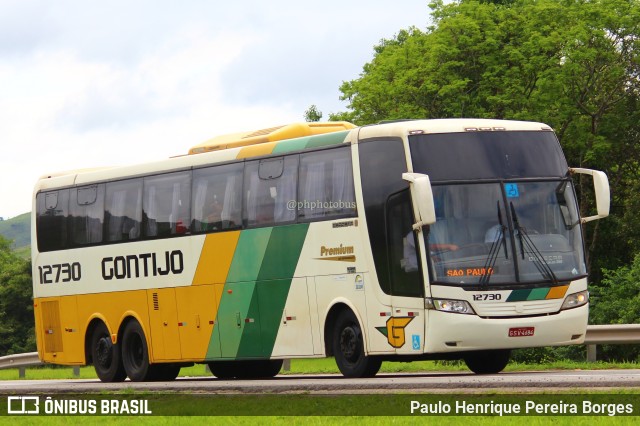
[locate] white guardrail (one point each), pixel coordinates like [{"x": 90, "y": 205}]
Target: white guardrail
[{"x": 619, "y": 334}]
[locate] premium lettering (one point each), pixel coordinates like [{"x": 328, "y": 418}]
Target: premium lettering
[{"x": 335, "y": 251}]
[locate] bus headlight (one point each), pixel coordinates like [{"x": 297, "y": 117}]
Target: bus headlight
[
  {"x": 575, "y": 300},
  {"x": 449, "y": 305}
]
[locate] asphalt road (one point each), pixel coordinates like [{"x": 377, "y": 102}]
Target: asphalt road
[{"x": 559, "y": 381}]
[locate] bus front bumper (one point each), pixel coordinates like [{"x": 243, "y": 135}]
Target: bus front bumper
[{"x": 450, "y": 332}]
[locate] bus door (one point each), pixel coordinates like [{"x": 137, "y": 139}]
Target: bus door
[{"x": 406, "y": 323}]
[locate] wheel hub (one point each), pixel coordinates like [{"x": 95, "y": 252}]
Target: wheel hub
[
  {"x": 104, "y": 351},
  {"x": 348, "y": 342}
]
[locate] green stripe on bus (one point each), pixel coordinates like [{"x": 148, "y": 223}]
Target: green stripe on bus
[
  {"x": 283, "y": 252},
  {"x": 327, "y": 139},
  {"x": 238, "y": 295},
  {"x": 259, "y": 336},
  {"x": 538, "y": 294},
  {"x": 248, "y": 256},
  {"x": 260, "y": 275},
  {"x": 278, "y": 267},
  {"x": 518, "y": 295},
  {"x": 528, "y": 294},
  {"x": 249, "y": 343},
  {"x": 290, "y": 145},
  {"x": 235, "y": 306},
  {"x": 306, "y": 142}
]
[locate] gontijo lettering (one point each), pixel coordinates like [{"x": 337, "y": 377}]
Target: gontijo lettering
[{"x": 142, "y": 265}]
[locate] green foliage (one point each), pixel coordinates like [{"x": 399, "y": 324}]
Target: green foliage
[
  {"x": 573, "y": 64},
  {"x": 548, "y": 355},
  {"x": 617, "y": 298},
  {"x": 17, "y": 333},
  {"x": 18, "y": 230},
  {"x": 617, "y": 301},
  {"x": 312, "y": 114}
]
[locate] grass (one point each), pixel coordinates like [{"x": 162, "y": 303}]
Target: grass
[
  {"x": 323, "y": 366},
  {"x": 189, "y": 403},
  {"x": 323, "y": 420}
]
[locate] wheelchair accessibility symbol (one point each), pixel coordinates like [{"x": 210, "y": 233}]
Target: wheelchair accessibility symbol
[
  {"x": 512, "y": 190},
  {"x": 415, "y": 340}
]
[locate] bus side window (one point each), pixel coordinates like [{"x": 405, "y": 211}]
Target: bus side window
[
  {"x": 87, "y": 214},
  {"x": 166, "y": 204},
  {"x": 123, "y": 210},
  {"x": 217, "y": 198},
  {"x": 326, "y": 184},
  {"x": 270, "y": 189},
  {"x": 53, "y": 211},
  {"x": 404, "y": 265}
]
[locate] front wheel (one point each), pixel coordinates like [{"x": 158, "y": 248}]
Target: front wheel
[
  {"x": 348, "y": 348},
  {"x": 487, "y": 362}
]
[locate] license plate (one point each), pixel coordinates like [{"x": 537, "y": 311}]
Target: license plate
[{"x": 521, "y": 331}]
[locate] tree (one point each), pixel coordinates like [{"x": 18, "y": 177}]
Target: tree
[
  {"x": 573, "y": 64},
  {"x": 17, "y": 332},
  {"x": 312, "y": 114},
  {"x": 617, "y": 301}
]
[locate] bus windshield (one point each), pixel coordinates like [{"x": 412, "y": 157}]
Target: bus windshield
[{"x": 506, "y": 212}]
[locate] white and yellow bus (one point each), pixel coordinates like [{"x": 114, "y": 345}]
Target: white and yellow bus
[{"x": 410, "y": 240}]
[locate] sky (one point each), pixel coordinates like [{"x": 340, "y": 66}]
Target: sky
[{"x": 94, "y": 83}]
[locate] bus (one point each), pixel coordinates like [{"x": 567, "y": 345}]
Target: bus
[{"x": 400, "y": 241}]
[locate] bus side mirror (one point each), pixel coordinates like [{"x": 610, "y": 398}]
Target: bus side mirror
[
  {"x": 603, "y": 195},
  {"x": 422, "y": 196}
]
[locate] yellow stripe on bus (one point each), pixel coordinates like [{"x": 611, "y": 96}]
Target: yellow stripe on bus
[
  {"x": 557, "y": 292},
  {"x": 216, "y": 257},
  {"x": 256, "y": 150}
]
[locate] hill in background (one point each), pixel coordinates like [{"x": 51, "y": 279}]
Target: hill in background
[{"x": 18, "y": 230}]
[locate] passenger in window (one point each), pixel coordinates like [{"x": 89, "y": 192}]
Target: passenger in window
[
  {"x": 410, "y": 256},
  {"x": 214, "y": 218},
  {"x": 410, "y": 261}
]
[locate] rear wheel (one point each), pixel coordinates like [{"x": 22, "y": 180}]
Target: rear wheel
[
  {"x": 487, "y": 362},
  {"x": 135, "y": 354},
  {"x": 106, "y": 356},
  {"x": 348, "y": 348}
]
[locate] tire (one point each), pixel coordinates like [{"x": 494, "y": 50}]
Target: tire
[
  {"x": 135, "y": 354},
  {"x": 106, "y": 357},
  {"x": 487, "y": 362},
  {"x": 260, "y": 369},
  {"x": 223, "y": 369},
  {"x": 348, "y": 348},
  {"x": 271, "y": 368},
  {"x": 164, "y": 372}
]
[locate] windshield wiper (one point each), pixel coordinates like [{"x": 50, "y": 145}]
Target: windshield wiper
[
  {"x": 516, "y": 225},
  {"x": 498, "y": 241},
  {"x": 525, "y": 242}
]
